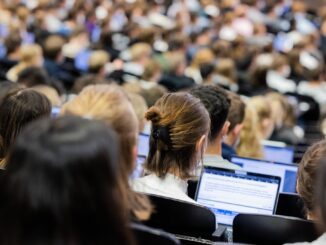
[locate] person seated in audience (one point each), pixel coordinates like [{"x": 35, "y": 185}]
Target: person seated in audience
[
  {"x": 235, "y": 117},
  {"x": 85, "y": 81},
  {"x": 217, "y": 103},
  {"x": 111, "y": 104},
  {"x": 319, "y": 196},
  {"x": 180, "y": 127},
  {"x": 62, "y": 187},
  {"x": 30, "y": 56},
  {"x": 307, "y": 175},
  {"x": 17, "y": 109},
  {"x": 50, "y": 93},
  {"x": 140, "y": 108},
  {"x": 284, "y": 120},
  {"x": 97, "y": 61},
  {"x": 250, "y": 142},
  {"x": 265, "y": 117},
  {"x": 6, "y": 87}
]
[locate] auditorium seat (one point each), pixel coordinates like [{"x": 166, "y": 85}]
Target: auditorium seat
[
  {"x": 181, "y": 218},
  {"x": 272, "y": 229},
  {"x": 290, "y": 204},
  {"x": 147, "y": 235}
]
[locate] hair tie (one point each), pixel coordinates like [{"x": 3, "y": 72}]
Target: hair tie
[{"x": 163, "y": 134}]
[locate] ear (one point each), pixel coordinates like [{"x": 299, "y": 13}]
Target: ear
[
  {"x": 237, "y": 129},
  {"x": 201, "y": 143},
  {"x": 225, "y": 129}
]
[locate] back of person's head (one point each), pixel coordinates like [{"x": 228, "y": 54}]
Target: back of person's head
[
  {"x": 226, "y": 67},
  {"x": 110, "y": 104},
  {"x": 217, "y": 103},
  {"x": 203, "y": 56},
  {"x": 17, "y": 109},
  {"x": 61, "y": 186},
  {"x": 52, "y": 46},
  {"x": 84, "y": 81},
  {"x": 249, "y": 144},
  {"x": 6, "y": 87},
  {"x": 12, "y": 42},
  {"x": 97, "y": 61},
  {"x": 180, "y": 125},
  {"x": 50, "y": 93},
  {"x": 265, "y": 116},
  {"x": 30, "y": 53},
  {"x": 33, "y": 76},
  {"x": 152, "y": 94},
  {"x": 140, "y": 50},
  {"x": 307, "y": 175},
  {"x": 320, "y": 193},
  {"x": 237, "y": 111}
]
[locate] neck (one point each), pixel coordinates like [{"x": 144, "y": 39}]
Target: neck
[
  {"x": 229, "y": 140},
  {"x": 215, "y": 148}
]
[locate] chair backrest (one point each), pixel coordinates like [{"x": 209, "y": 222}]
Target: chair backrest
[
  {"x": 181, "y": 218},
  {"x": 290, "y": 204},
  {"x": 272, "y": 229},
  {"x": 147, "y": 235}
]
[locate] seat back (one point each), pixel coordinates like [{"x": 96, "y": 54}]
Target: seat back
[
  {"x": 147, "y": 235},
  {"x": 272, "y": 229},
  {"x": 290, "y": 204},
  {"x": 182, "y": 218}
]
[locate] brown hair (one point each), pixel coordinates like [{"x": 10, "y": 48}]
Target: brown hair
[
  {"x": 307, "y": 174},
  {"x": 237, "y": 110},
  {"x": 179, "y": 120},
  {"x": 111, "y": 104},
  {"x": 53, "y": 46},
  {"x": 17, "y": 109}
]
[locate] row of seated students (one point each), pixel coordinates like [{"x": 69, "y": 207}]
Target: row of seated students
[{"x": 69, "y": 176}]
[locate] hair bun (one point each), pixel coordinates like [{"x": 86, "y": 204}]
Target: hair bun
[{"x": 153, "y": 115}]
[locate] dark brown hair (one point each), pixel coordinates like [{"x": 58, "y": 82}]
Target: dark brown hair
[
  {"x": 17, "y": 109},
  {"x": 179, "y": 120},
  {"x": 307, "y": 173}
]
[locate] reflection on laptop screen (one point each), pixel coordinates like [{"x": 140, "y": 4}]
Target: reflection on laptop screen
[
  {"x": 143, "y": 145},
  {"x": 278, "y": 154},
  {"x": 229, "y": 192},
  {"x": 287, "y": 172}
]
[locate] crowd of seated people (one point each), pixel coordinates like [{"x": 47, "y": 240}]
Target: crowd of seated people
[{"x": 203, "y": 81}]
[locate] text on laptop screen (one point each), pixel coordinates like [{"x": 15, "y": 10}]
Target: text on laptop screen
[
  {"x": 143, "y": 145},
  {"x": 287, "y": 172},
  {"x": 278, "y": 154},
  {"x": 228, "y": 193}
]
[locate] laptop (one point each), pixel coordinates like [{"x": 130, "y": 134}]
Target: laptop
[
  {"x": 278, "y": 153},
  {"x": 143, "y": 150},
  {"x": 287, "y": 172},
  {"x": 230, "y": 192}
]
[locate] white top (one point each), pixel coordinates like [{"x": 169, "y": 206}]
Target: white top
[
  {"x": 320, "y": 241},
  {"x": 169, "y": 186},
  {"x": 219, "y": 162},
  {"x": 316, "y": 92},
  {"x": 279, "y": 83}
]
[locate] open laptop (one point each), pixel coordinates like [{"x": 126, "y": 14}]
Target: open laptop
[
  {"x": 287, "y": 172},
  {"x": 230, "y": 192},
  {"x": 278, "y": 153},
  {"x": 143, "y": 149}
]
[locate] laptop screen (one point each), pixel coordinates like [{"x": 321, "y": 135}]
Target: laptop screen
[
  {"x": 287, "y": 172},
  {"x": 143, "y": 145},
  {"x": 230, "y": 192},
  {"x": 278, "y": 154}
]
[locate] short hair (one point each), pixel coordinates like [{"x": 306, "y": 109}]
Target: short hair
[
  {"x": 52, "y": 46},
  {"x": 179, "y": 120},
  {"x": 12, "y": 42},
  {"x": 237, "y": 110},
  {"x": 308, "y": 172},
  {"x": 17, "y": 109},
  {"x": 84, "y": 81},
  {"x": 97, "y": 60},
  {"x": 33, "y": 76},
  {"x": 217, "y": 103},
  {"x": 66, "y": 172},
  {"x": 140, "y": 50}
]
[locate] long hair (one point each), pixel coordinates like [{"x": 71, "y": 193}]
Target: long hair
[
  {"x": 61, "y": 186},
  {"x": 110, "y": 104}
]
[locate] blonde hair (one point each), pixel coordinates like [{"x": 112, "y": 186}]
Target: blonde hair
[
  {"x": 203, "y": 56},
  {"x": 97, "y": 60},
  {"x": 49, "y": 92},
  {"x": 140, "y": 107},
  {"x": 250, "y": 145},
  {"x": 139, "y": 50},
  {"x": 110, "y": 104}
]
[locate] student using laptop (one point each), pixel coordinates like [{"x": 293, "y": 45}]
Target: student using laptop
[
  {"x": 307, "y": 175},
  {"x": 235, "y": 117},
  {"x": 217, "y": 103},
  {"x": 180, "y": 126}
]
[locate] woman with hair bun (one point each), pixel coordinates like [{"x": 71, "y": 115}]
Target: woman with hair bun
[{"x": 180, "y": 126}]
